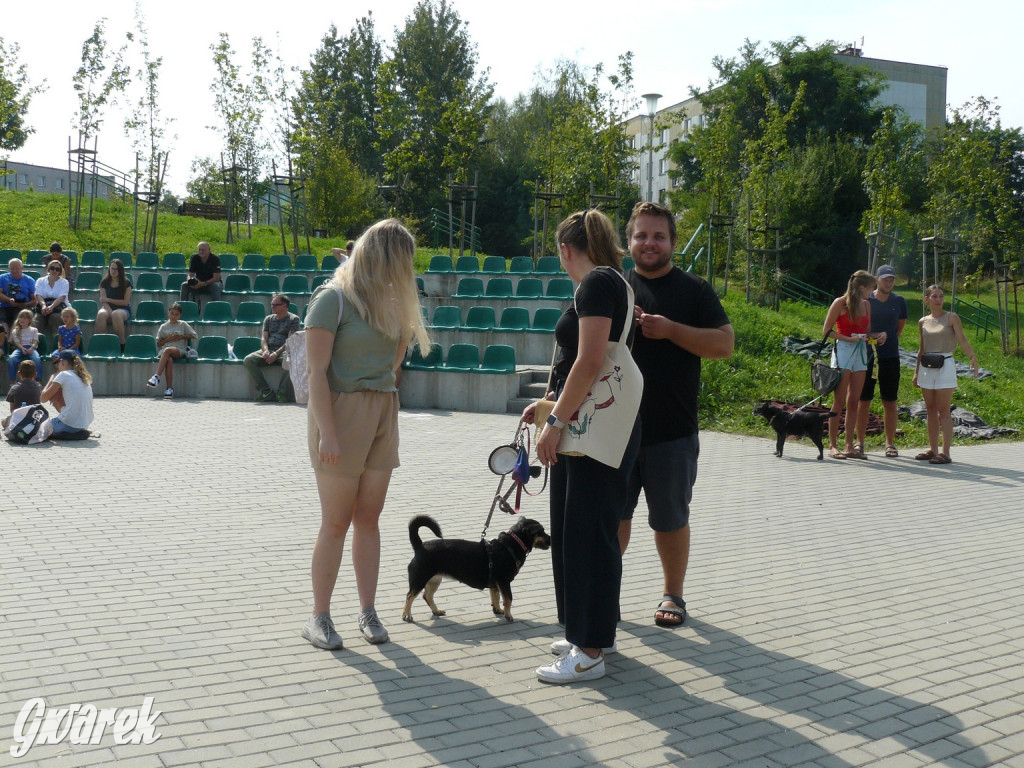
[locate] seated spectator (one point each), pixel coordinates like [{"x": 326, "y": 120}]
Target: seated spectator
[
  {"x": 25, "y": 341},
  {"x": 277, "y": 327},
  {"x": 69, "y": 335},
  {"x": 17, "y": 292},
  {"x": 172, "y": 339},
  {"x": 26, "y": 390},
  {"x": 51, "y": 293},
  {"x": 115, "y": 301},
  {"x": 69, "y": 390},
  {"x": 203, "y": 275},
  {"x": 70, "y": 271}
]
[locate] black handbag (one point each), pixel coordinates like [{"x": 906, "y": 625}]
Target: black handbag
[
  {"x": 824, "y": 378},
  {"x": 933, "y": 359}
]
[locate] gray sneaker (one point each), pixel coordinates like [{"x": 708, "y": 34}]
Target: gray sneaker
[
  {"x": 319, "y": 630},
  {"x": 372, "y": 629}
]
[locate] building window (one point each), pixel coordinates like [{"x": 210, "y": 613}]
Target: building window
[
  {"x": 662, "y": 165},
  {"x": 58, "y": 184},
  {"x": 662, "y": 196},
  {"x": 23, "y": 179},
  {"x": 686, "y": 125},
  {"x": 41, "y": 182},
  {"x": 664, "y": 136}
]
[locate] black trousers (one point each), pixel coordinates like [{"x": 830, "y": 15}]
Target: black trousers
[{"x": 587, "y": 502}]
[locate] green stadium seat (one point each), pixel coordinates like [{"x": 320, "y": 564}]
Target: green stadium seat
[
  {"x": 447, "y": 316},
  {"x": 124, "y": 256},
  {"x": 104, "y": 346},
  {"x": 147, "y": 260},
  {"x": 498, "y": 358},
  {"x": 419, "y": 362},
  {"x": 246, "y": 345},
  {"x": 7, "y": 254},
  {"x": 440, "y": 264},
  {"x": 35, "y": 256},
  {"x": 514, "y": 319},
  {"x": 266, "y": 285},
  {"x": 150, "y": 312},
  {"x": 86, "y": 309},
  {"x": 228, "y": 262},
  {"x": 213, "y": 349},
  {"x": 174, "y": 261},
  {"x": 32, "y": 273},
  {"x": 305, "y": 262},
  {"x": 189, "y": 311},
  {"x": 237, "y": 284},
  {"x": 479, "y": 319},
  {"x": 149, "y": 282},
  {"x": 548, "y": 265},
  {"x": 330, "y": 263},
  {"x": 295, "y": 285},
  {"x": 559, "y": 288},
  {"x": 499, "y": 288},
  {"x": 280, "y": 262},
  {"x": 174, "y": 281},
  {"x": 469, "y": 287},
  {"x": 250, "y": 312},
  {"x": 88, "y": 281},
  {"x": 319, "y": 280},
  {"x": 544, "y": 320},
  {"x": 94, "y": 260},
  {"x": 467, "y": 265},
  {"x": 72, "y": 257},
  {"x": 421, "y": 287},
  {"x": 461, "y": 357},
  {"x": 43, "y": 346},
  {"x": 494, "y": 265},
  {"x": 140, "y": 346},
  {"x": 530, "y": 288},
  {"x": 216, "y": 313},
  {"x": 254, "y": 262}
]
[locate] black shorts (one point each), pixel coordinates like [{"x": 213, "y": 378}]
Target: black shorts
[
  {"x": 666, "y": 473},
  {"x": 888, "y": 380}
]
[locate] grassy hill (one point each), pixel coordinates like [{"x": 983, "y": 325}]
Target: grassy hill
[{"x": 759, "y": 369}]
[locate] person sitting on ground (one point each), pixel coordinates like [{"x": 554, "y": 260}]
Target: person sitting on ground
[
  {"x": 172, "y": 337},
  {"x": 277, "y": 327},
  {"x": 17, "y": 292},
  {"x": 70, "y": 272},
  {"x": 26, "y": 390},
  {"x": 70, "y": 392},
  {"x": 69, "y": 335},
  {"x": 25, "y": 340},
  {"x": 203, "y": 275},
  {"x": 51, "y": 293},
  {"x": 115, "y": 301}
]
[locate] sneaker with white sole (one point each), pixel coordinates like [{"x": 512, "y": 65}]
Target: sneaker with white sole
[
  {"x": 563, "y": 646},
  {"x": 372, "y": 629},
  {"x": 319, "y": 630},
  {"x": 153, "y": 381},
  {"x": 575, "y": 666},
  {"x": 169, "y": 393}
]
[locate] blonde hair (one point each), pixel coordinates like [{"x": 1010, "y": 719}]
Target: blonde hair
[
  {"x": 592, "y": 233},
  {"x": 378, "y": 279},
  {"x": 17, "y": 329},
  {"x": 56, "y": 262},
  {"x": 70, "y": 311},
  {"x": 859, "y": 279},
  {"x": 79, "y": 368}
]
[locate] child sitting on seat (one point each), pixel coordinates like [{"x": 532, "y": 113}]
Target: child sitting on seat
[
  {"x": 172, "y": 338},
  {"x": 69, "y": 335},
  {"x": 24, "y": 340}
]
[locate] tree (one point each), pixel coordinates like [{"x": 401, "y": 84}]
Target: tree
[
  {"x": 341, "y": 198},
  {"x": 16, "y": 93},
  {"x": 207, "y": 183},
  {"x": 433, "y": 104}
]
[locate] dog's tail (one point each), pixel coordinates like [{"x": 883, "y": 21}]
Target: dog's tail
[{"x": 422, "y": 521}]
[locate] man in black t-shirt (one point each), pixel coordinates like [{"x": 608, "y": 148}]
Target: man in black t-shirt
[
  {"x": 680, "y": 321},
  {"x": 203, "y": 275}
]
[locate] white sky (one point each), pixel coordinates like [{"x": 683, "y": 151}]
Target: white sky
[{"x": 673, "y": 45}]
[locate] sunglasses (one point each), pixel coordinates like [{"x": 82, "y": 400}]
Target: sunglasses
[{"x": 53, "y": 269}]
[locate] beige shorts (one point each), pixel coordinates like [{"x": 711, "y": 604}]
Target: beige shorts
[{"x": 367, "y": 428}]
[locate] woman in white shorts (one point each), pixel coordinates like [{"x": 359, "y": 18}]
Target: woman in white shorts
[{"x": 940, "y": 332}]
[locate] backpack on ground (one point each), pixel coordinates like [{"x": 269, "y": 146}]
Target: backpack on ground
[
  {"x": 295, "y": 355},
  {"x": 29, "y": 424}
]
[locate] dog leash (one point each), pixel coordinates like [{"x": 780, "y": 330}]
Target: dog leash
[{"x": 521, "y": 473}]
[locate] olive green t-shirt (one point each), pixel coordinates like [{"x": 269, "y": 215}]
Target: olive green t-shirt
[{"x": 363, "y": 358}]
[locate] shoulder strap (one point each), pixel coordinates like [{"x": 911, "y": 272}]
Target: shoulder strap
[{"x": 341, "y": 302}]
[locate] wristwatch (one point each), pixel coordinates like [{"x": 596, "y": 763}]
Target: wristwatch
[{"x": 554, "y": 422}]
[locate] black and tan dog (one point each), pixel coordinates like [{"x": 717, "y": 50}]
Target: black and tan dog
[
  {"x": 798, "y": 423},
  {"x": 492, "y": 564}
]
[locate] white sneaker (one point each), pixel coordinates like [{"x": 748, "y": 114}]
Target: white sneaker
[
  {"x": 154, "y": 381},
  {"x": 573, "y": 667},
  {"x": 169, "y": 393},
  {"x": 319, "y": 630},
  {"x": 563, "y": 646}
]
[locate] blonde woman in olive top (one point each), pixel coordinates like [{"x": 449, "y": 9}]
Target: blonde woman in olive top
[
  {"x": 353, "y": 412},
  {"x": 940, "y": 332}
]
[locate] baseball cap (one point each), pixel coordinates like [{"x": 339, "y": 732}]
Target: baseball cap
[
  {"x": 885, "y": 271},
  {"x": 66, "y": 355}
]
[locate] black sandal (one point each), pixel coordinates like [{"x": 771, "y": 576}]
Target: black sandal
[{"x": 676, "y": 614}]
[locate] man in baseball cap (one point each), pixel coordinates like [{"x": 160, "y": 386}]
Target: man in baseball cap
[{"x": 888, "y": 315}]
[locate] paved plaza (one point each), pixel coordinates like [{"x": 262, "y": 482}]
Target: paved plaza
[{"x": 842, "y": 613}]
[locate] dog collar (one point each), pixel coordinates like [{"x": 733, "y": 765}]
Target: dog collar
[{"x": 517, "y": 540}]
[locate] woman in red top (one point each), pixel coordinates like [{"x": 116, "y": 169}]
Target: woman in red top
[{"x": 849, "y": 323}]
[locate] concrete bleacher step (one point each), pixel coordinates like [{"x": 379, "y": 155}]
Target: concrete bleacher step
[{"x": 532, "y": 386}]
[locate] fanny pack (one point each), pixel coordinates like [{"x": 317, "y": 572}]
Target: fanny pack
[{"x": 933, "y": 359}]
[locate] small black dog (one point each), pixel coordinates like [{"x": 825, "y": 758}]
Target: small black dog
[
  {"x": 492, "y": 564},
  {"x": 799, "y": 423}
]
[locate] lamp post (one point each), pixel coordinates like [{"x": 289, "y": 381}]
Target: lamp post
[{"x": 652, "y": 108}]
